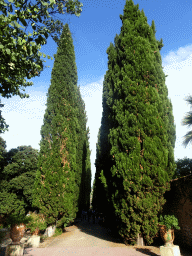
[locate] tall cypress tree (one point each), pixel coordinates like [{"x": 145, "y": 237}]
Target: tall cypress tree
[
  {"x": 83, "y": 177},
  {"x": 56, "y": 187},
  {"x": 103, "y": 162},
  {"x": 81, "y": 139},
  {"x": 141, "y": 135},
  {"x": 88, "y": 176}
]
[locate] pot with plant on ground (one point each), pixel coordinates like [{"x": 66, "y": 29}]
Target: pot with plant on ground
[
  {"x": 18, "y": 226},
  {"x": 37, "y": 222},
  {"x": 167, "y": 224}
]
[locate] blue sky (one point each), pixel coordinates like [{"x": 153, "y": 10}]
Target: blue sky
[{"x": 92, "y": 33}]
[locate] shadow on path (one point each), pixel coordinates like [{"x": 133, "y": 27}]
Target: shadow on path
[
  {"x": 147, "y": 251},
  {"x": 98, "y": 230}
]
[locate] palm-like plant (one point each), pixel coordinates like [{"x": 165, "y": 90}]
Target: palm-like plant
[{"x": 188, "y": 121}]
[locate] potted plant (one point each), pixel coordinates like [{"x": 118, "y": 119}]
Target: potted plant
[
  {"x": 167, "y": 224},
  {"x": 36, "y": 223},
  {"x": 17, "y": 224}
]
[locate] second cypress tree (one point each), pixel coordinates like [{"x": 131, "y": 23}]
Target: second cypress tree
[
  {"x": 141, "y": 134},
  {"x": 83, "y": 177}
]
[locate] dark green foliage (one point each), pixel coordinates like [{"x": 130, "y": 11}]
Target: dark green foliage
[
  {"x": 3, "y": 153},
  {"x": 12, "y": 209},
  {"x": 3, "y": 125},
  {"x": 87, "y": 169},
  {"x": 81, "y": 128},
  {"x": 184, "y": 167},
  {"x": 17, "y": 180},
  {"x": 83, "y": 175},
  {"x": 3, "y": 128},
  {"x": 60, "y": 163},
  {"x": 103, "y": 161},
  {"x": 187, "y": 121},
  {"x": 137, "y": 134},
  {"x": 10, "y": 204}
]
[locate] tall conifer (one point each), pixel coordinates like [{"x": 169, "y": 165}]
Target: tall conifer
[
  {"x": 88, "y": 169},
  {"x": 86, "y": 174},
  {"x": 141, "y": 138},
  {"x": 103, "y": 162},
  {"x": 56, "y": 190},
  {"x": 83, "y": 177}
]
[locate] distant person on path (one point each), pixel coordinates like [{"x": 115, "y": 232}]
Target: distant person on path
[
  {"x": 93, "y": 214},
  {"x": 89, "y": 214},
  {"x": 96, "y": 214},
  {"x": 101, "y": 218},
  {"x": 83, "y": 215}
]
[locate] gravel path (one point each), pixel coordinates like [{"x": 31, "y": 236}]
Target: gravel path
[
  {"x": 86, "y": 239},
  {"x": 83, "y": 239}
]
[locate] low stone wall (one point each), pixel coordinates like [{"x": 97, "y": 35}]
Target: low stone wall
[{"x": 179, "y": 203}]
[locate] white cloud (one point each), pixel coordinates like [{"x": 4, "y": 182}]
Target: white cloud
[
  {"x": 178, "y": 66},
  {"x": 175, "y": 57},
  {"x": 22, "y": 130},
  {"x": 24, "y": 117}
]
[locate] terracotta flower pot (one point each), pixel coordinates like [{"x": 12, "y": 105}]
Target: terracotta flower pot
[
  {"x": 167, "y": 235},
  {"x": 17, "y": 232},
  {"x": 36, "y": 232}
]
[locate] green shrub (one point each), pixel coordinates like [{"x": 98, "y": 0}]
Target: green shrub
[
  {"x": 58, "y": 232},
  {"x": 36, "y": 221},
  {"x": 170, "y": 221},
  {"x": 13, "y": 219}
]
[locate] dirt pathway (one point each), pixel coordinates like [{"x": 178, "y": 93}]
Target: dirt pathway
[
  {"x": 85, "y": 239},
  {"x": 88, "y": 239},
  {"x": 86, "y": 234}
]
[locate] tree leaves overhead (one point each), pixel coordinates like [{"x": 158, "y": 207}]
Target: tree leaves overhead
[{"x": 19, "y": 54}]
